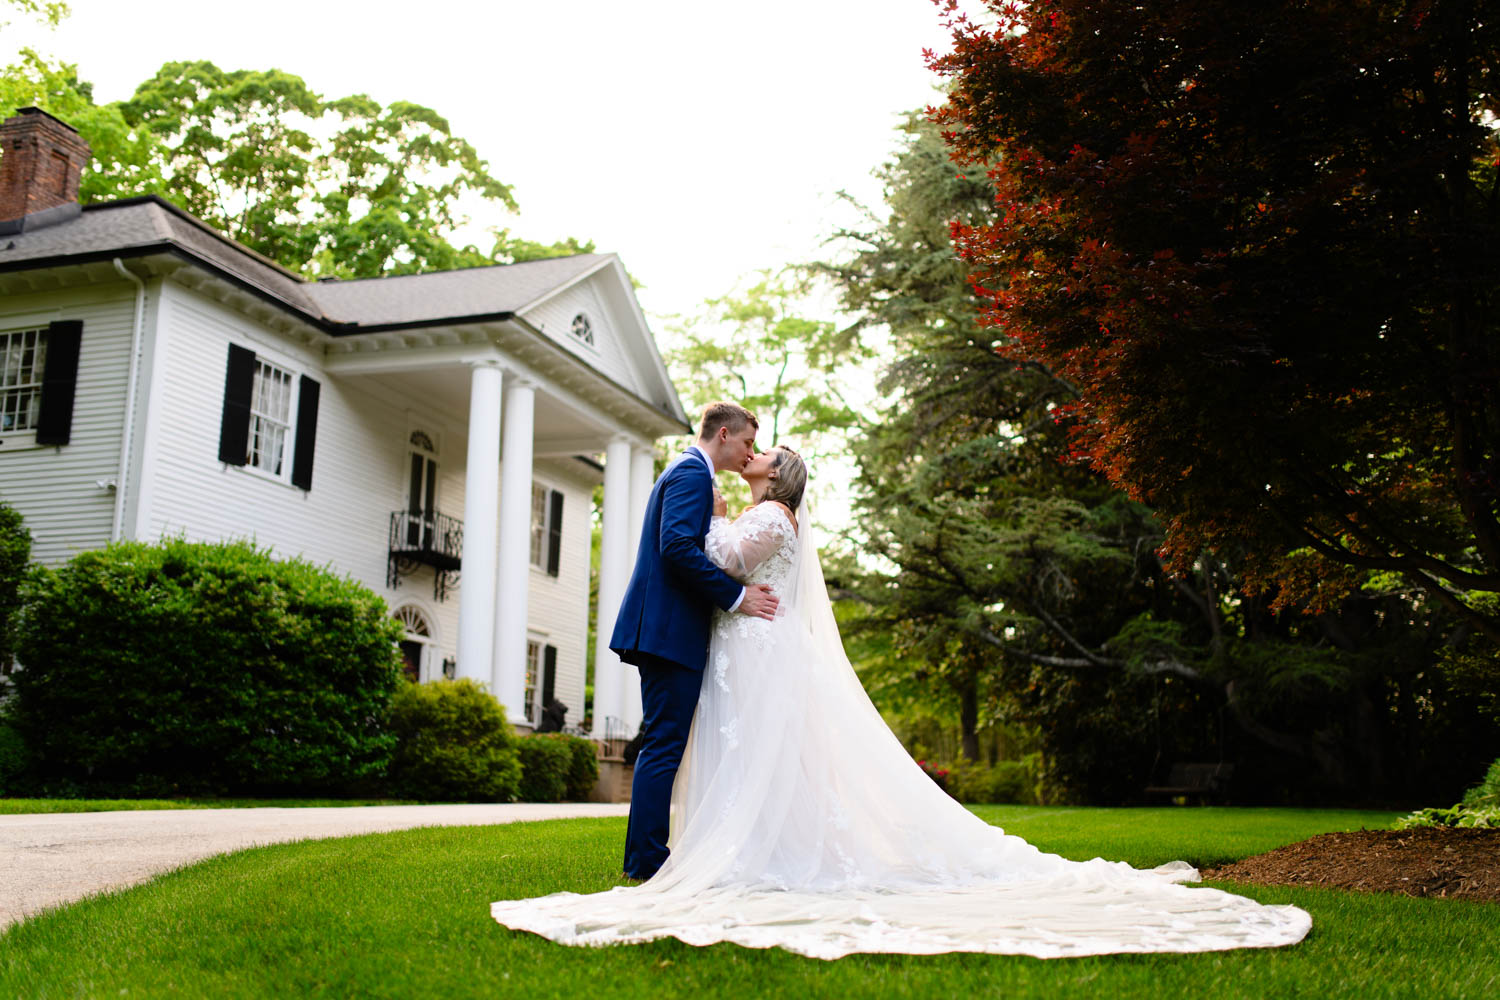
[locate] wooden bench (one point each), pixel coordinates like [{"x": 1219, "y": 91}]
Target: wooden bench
[{"x": 1195, "y": 781}]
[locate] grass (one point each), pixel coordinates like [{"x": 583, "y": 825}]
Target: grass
[
  {"x": 12, "y": 807},
  {"x": 406, "y": 915}
]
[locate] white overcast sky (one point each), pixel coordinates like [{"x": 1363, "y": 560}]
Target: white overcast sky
[{"x": 699, "y": 140}]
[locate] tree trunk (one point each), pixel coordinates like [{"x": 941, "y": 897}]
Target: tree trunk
[{"x": 968, "y": 716}]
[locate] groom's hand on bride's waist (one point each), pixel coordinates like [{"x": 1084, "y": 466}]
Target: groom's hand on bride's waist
[{"x": 758, "y": 602}]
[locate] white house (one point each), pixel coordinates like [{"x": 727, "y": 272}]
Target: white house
[{"x": 438, "y": 437}]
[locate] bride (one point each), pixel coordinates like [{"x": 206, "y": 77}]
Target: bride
[{"x": 800, "y": 822}]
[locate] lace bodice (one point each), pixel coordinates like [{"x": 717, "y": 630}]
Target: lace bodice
[{"x": 756, "y": 547}]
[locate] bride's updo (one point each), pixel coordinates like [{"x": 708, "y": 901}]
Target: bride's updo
[{"x": 788, "y": 479}]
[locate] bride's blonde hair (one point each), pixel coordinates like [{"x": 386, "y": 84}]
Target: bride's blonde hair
[{"x": 791, "y": 478}]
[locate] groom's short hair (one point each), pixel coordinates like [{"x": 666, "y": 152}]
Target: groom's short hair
[{"x": 724, "y": 414}]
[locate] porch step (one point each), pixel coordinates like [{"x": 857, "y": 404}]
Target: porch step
[{"x": 615, "y": 777}]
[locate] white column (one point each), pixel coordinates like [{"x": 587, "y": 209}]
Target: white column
[
  {"x": 515, "y": 548},
  {"x": 476, "y": 592},
  {"x": 642, "y": 468},
  {"x": 614, "y": 571}
]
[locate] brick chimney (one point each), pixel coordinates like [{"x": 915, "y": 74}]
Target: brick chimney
[{"x": 41, "y": 159}]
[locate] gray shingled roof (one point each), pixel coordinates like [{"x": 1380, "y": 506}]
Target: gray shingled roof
[
  {"x": 134, "y": 226},
  {"x": 473, "y": 291}
]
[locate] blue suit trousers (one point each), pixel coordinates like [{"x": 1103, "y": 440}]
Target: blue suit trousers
[{"x": 669, "y": 696}]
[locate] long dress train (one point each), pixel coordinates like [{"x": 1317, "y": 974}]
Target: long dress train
[{"x": 800, "y": 822}]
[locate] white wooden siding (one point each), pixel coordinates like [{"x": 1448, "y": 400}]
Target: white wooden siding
[
  {"x": 609, "y": 356},
  {"x": 558, "y": 607},
  {"x": 56, "y": 489},
  {"x": 360, "y": 475}
]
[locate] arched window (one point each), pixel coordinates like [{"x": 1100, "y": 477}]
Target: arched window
[
  {"x": 583, "y": 329},
  {"x": 417, "y": 646}
]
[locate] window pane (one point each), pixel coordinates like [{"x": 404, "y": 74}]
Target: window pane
[
  {"x": 23, "y": 359},
  {"x": 533, "y": 661},
  {"x": 538, "y": 524},
  {"x": 270, "y": 417}
]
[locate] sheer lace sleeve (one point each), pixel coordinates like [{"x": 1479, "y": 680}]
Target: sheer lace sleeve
[{"x": 740, "y": 545}]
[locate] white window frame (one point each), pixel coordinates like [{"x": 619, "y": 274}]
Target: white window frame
[
  {"x": 541, "y": 533},
  {"x": 289, "y": 445},
  {"x": 536, "y": 646},
  {"x": 24, "y": 437}
]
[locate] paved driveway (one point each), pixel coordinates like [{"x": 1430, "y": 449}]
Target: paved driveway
[{"x": 49, "y": 859}]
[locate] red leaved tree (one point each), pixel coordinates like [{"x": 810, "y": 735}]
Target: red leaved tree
[{"x": 1261, "y": 241}]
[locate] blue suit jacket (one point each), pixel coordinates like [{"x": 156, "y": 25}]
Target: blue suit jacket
[{"x": 669, "y": 600}]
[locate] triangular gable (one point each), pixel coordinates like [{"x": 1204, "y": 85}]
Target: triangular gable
[{"x": 623, "y": 348}]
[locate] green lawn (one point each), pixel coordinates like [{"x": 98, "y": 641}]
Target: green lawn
[
  {"x": 406, "y": 915},
  {"x": 11, "y": 807}
]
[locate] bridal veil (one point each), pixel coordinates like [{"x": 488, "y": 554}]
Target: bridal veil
[{"x": 800, "y": 822}]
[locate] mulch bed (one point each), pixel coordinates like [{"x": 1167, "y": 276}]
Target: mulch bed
[{"x": 1429, "y": 861}]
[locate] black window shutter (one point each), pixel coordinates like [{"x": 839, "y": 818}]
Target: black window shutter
[
  {"x": 54, "y": 424},
  {"x": 554, "y": 533},
  {"x": 549, "y": 673},
  {"x": 234, "y": 427},
  {"x": 307, "y": 433}
]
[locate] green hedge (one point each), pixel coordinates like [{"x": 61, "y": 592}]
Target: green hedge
[
  {"x": 453, "y": 744},
  {"x": 13, "y": 757},
  {"x": 556, "y": 766},
  {"x": 15, "y": 555},
  {"x": 188, "y": 668}
]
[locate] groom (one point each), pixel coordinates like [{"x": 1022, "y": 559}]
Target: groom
[{"x": 662, "y": 627}]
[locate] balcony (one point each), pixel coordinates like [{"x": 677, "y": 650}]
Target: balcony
[{"x": 425, "y": 538}]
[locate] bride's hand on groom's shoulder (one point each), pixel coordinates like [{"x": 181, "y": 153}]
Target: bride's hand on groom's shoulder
[{"x": 759, "y": 602}]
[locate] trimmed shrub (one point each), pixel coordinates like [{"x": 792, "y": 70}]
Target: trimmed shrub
[
  {"x": 453, "y": 744},
  {"x": 1009, "y": 781},
  {"x": 190, "y": 668},
  {"x": 1486, "y": 794},
  {"x": 15, "y": 555},
  {"x": 12, "y": 756},
  {"x": 545, "y": 764},
  {"x": 582, "y": 772}
]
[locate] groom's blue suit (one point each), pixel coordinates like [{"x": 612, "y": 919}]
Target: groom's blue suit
[{"x": 662, "y": 629}]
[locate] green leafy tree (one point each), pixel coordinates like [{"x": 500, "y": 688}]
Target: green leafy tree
[
  {"x": 49, "y": 12},
  {"x": 346, "y": 188},
  {"x": 758, "y": 347},
  {"x": 126, "y": 161},
  {"x": 1261, "y": 241},
  {"x": 1028, "y": 591}
]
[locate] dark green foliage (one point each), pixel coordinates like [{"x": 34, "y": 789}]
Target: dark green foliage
[
  {"x": 453, "y": 744},
  {"x": 1487, "y": 792},
  {"x": 545, "y": 766},
  {"x": 191, "y": 668},
  {"x": 13, "y": 756},
  {"x": 1030, "y": 594},
  {"x": 15, "y": 554},
  {"x": 583, "y": 764}
]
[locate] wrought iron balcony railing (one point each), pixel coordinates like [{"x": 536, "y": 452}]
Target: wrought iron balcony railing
[{"x": 425, "y": 538}]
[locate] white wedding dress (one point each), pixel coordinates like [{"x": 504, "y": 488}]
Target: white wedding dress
[{"x": 800, "y": 822}]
